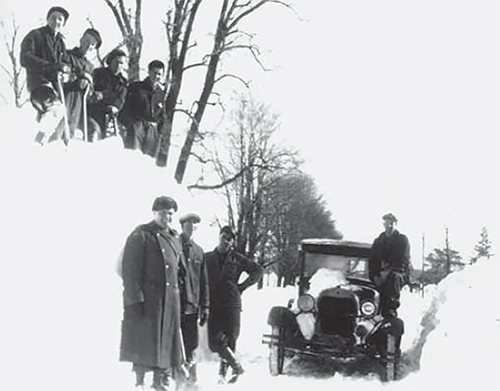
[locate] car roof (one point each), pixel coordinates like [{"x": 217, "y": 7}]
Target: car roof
[{"x": 336, "y": 247}]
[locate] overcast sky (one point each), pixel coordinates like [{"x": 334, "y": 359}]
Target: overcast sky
[{"x": 393, "y": 104}]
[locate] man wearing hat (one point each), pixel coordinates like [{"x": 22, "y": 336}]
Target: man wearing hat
[
  {"x": 110, "y": 90},
  {"x": 389, "y": 265},
  {"x": 224, "y": 267},
  {"x": 80, "y": 77},
  {"x": 43, "y": 54},
  {"x": 193, "y": 284},
  {"x": 151, "y": 329}
]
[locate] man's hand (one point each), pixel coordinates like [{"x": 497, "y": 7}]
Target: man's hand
[
  {"x": 112, "y": 109},
  {"x": 203, "y": 317},
  {"x": 98, "y": 95}
]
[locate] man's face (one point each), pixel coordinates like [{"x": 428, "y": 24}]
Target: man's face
[
  {"x": 156, "y": 75},
  {"x": 225, "y": 242},
  {"x": 188, "y": 228},
  {"x": 389, "y": 226},
  {"x": 163, "y": 217},
  {"x": 56, "y": 21},
  {"x": 87, "y": 43},
  {"x": 118, "y": 65}
]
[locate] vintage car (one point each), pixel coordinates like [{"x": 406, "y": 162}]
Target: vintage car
[{"x": 337, "y": 312}]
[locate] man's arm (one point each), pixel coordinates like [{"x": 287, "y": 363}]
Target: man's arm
[
  {"x": 253, "y": 269},
  {"x": 28, "y": 57},
  {"x": 132, "y": 269}
]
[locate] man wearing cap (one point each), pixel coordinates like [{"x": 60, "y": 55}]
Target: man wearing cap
[
  {"x": 80, "y": 77},
  {"x": 110, "y": 90},
  {"x": 151, "y": 330},
  {"x": 193, "y": 283},
  {"x": 224, "y": 267},
  {"x": 43, "y": 54},
  {"x": 389, "y": 265}
]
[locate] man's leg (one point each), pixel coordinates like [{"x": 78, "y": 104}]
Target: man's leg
[{"x": 391, "y": 293}]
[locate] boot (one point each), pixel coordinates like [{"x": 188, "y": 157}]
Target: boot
[
  {"x": 139, "y": 378},
  {"x": 224, "y": 365},
  {"x": 160, "y": 380},
  {"x": 228, "y": 355}
]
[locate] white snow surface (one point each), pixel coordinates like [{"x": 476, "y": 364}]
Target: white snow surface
[{"x": 65, "y": 213}]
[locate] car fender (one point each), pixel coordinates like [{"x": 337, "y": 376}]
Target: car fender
[{"x": 281, "y": 316}]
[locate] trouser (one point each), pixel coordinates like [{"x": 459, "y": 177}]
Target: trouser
[
  {"x": 390, "y": 292},
  {"x": 189, "y": 326},
  {"x": 223, "y": 328},
  {"x": 142, "y": 135}
]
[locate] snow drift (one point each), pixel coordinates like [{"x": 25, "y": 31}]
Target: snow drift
[{"x": 65, "y": 213}]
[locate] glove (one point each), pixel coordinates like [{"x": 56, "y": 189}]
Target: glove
[
  {"x": 137, "y": 308},
  {"x": 203, "y": 317},
  {"x": 241, "y": 287}
]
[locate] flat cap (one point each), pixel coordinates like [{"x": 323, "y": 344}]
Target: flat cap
[
  {"x": 390, "y": 216},
  {"x": 57, "y": 8},
  {"x": 164, "y": 202},
  {"x": 190, "y": 217},
  {"x": 96, "y": 35},
  {"x": 227, "y": 230}
]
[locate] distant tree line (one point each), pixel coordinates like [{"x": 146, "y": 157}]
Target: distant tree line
[{"x": 443, "y": 261}]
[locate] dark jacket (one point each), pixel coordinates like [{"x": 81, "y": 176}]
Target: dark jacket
[
  {"x": 41, "y": 52},
  {"x": 390, "y": 252},
  {"x": 193, "y": 280},
  {"x": 142, "y": 103},
  {"x": 149, "y": 270},
  {"x": 80, "y": 67},
  {"x": 224, "y": 271},
  {"x": 113, "y": 87}
]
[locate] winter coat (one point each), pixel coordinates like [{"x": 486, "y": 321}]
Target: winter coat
[
  {"x": 224, "y": 271},
  {"x": 390, "y": 252},
  {"x": 81, "y": 68},
  {"x": 114, "y": 89},
  {"x": 149, "y": 270},
  {"x": 143, "y": 103},
  {"x": 41, "y": 52},
  {"x": 193, "y": 280}
]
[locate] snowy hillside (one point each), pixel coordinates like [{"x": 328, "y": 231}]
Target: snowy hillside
[{"x": 65, "y": 213}]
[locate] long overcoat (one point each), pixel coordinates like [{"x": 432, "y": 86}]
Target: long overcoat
[{"x": 149, "y": 270}]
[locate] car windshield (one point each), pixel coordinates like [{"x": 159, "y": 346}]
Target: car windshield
[{"x": 349, "y": 266}]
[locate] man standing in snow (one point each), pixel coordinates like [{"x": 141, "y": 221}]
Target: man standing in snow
[
  {"x": 389, "y": 265},
  {"x": 43, "y": 54},
  {"x": 110, "y": 90},
  {"x": 151, "y": 329},
  {"x": 193, "y": 284},
  {"x": 142, "y": 110},
  {"x": 80, "y": 78},
  {"x": 224, "y": 267}
]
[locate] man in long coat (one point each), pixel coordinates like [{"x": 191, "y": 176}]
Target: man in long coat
[
  {"x": 389, "y": 264},
  {"x": 224, "y": 267},
  {"x": 151, "y": 332}
]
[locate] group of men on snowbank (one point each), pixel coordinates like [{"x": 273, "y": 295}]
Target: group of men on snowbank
[{"x": 74, "y": 100}]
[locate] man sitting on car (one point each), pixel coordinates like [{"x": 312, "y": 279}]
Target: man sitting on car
[{"x": 389, "y": 265}]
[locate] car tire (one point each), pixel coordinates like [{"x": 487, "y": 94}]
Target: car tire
[{"x": 276, "y": 351}]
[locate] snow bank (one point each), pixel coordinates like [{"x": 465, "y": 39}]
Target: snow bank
[{"x": 64, "y": 216}]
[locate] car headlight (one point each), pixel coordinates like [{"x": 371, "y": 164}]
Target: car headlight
[
  {"x": 367, "y": 308},
  {"x": 306, "y": 303}
]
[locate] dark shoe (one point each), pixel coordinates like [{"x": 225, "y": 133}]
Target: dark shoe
[
  {"x": 224, "y": 365},
  {"x": 237, "y": 371},
  {"x": 161, "y": 381}
]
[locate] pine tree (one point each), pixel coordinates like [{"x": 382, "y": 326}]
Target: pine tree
[{"x": 483, "y": 247}]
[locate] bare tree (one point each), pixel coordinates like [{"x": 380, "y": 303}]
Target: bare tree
[
  {"x": 13, "y": 71},
  {"x": 228, "y": 37},
  {"x": 129, "y": 23}
]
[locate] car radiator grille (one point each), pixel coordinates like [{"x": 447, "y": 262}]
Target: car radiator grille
[{"x": 336, "y": 315}]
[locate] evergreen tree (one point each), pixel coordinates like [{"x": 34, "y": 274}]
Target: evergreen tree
[{"x": 483, "y": 247}]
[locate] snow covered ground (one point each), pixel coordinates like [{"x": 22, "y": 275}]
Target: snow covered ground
[{"x": 64, "y": 215}]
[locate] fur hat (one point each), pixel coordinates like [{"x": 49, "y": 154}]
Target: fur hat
[{"x": 164, "y": 202}]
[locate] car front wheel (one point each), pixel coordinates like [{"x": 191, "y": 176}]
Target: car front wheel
[{"x": 276, "y": 351}]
